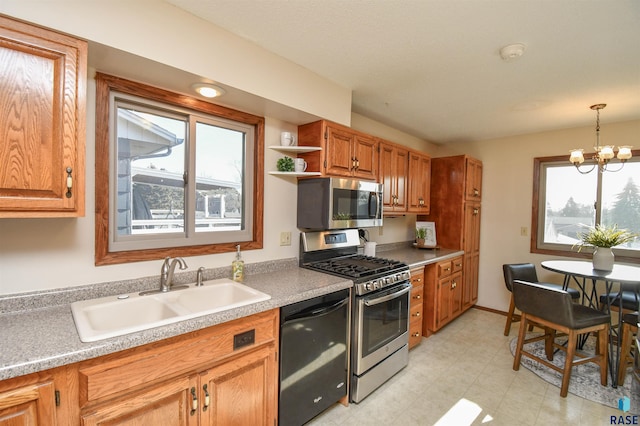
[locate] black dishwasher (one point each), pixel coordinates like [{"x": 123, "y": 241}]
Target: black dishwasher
[{"x": 313, "y": 356}]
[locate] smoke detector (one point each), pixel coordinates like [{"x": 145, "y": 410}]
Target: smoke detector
[{"x": 512, "y": 51}]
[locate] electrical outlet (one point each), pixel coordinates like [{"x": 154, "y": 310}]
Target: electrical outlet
[
  {"x": 285, "y": 238},
  {"x": 524, "y": 231}
]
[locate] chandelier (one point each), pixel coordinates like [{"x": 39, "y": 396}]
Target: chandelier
[{"x": 603, "y": 154}]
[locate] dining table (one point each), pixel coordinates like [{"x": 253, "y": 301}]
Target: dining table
[{"x": 593, "y": 283}]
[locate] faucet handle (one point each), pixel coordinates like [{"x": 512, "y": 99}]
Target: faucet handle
[{"x": 199, "y": 276}]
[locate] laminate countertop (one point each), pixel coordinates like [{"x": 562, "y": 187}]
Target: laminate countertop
[{"x": 38, "y": 330}]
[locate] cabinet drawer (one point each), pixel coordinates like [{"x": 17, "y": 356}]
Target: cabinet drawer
[
  {"x": 120, "y": 372},
  {"x": 415, "y": 312},
  {"x": 444, "y": 268},
  {"x": 416, "y": 296},
  {"x": 415, "y": 333},
  {"x": 456, "y": 265}
]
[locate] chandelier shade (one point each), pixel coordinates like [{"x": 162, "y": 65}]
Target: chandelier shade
[{"x": 603, "y": 154}]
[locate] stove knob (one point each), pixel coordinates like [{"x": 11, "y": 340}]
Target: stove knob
[
  {"x": 406, "y": 275},
  {"x": 377, "y": 284},
  {"x": 369, "y": 286},
  {"x": 388, "y": 280}
]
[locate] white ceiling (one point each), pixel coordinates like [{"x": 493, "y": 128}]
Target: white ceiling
[{"x": 432, "y": 68}]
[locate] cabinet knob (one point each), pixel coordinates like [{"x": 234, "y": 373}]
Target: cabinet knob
[
  {"x": 417, "y": 314},
  {"x": 417, "y": 297},
  {"x": 416, "y": 334},
  {"x": 476, "y": 211},
  {"x": 476, "y": 192}
]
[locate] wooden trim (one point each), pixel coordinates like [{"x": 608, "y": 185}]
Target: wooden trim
[{"x": 104, "y": 85}]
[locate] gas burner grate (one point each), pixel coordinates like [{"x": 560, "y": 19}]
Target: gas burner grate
[{"x": 357, "y": 266}]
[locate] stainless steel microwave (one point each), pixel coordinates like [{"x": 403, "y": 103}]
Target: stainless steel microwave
[{"x": 337, "y": 203}]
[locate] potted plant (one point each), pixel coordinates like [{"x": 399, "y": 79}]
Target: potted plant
[
  {"x": 603, "y": 238},
  {"x": 421, "y": 234}
]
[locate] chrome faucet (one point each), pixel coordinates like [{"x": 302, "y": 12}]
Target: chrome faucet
[{"x": 167, "y": 270}]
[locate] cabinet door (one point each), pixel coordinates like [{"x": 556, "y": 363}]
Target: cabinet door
[
  {"x": 471, "y": 227},
  {"x": 42, "y": 93},
  {"x": 365, "y": 151},
  {"x": 470, "y": 277},
  {"x": 401, "y": 173},
  {"x": 419, "y": 183},
  {"x": 242, "y": 391},
  {"x": 171, "y": 404},
  {"x": 339, "y": 155},
  {"x": 473, "y": 179},
  {"x": 386, "y": 177},
  {"x": 28, "y": 405},
  {"x": 443, "y": 305},
  {"x": 457, "y": 287}
]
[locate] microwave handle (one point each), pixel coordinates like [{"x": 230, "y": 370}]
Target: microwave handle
[{"x": 374, "y": 204}]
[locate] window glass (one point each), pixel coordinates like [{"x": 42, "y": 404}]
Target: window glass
[
  {"x": 568, "y": 202},
  {"x": 621, "y": 200}
]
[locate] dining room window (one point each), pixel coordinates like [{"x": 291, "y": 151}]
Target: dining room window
[
  {"x": 176, "y": 176},
  {"x": 567, "y": 202}
]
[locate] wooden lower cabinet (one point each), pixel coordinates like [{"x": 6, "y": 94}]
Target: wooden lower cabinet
[
  {"x": 24, "y": 403},
  {"x": 416, "y": 308},
  {"x": 222, "y": 375},
  {"x": 443, "y": 293}
]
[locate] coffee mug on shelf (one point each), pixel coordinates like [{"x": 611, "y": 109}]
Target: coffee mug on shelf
[
  {"x": 299, "y": 165},
  {"x": 287, "y": 139}
]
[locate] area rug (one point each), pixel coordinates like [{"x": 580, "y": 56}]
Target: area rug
[{"x": 585, "y": 378}]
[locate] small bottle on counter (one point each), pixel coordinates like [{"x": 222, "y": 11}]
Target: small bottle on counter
[{"x": 237, "y": 267}]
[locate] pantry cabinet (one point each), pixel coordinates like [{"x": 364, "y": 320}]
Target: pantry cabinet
[
  {"x": 418, "y": 199},
  {"x": 345, "y": 152},
  {"x": 416, "y": 307},
  {"x": 394, "y": 168},
  {"x": 443, "y": 290},
  {"x": 42, "y": 120},
  {"x": 456, "y": 196}
]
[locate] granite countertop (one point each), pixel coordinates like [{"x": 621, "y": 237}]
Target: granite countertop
[
  {"x": 38, "y": 331},
  {"x": 415, "y": 257},
  {"x": 45, "y": 337}
]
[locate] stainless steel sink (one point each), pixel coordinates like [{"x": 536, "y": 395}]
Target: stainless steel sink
[{"x": 112, "y": 316}]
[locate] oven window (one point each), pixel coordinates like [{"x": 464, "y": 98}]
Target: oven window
[{"x": 384, "y": 322}]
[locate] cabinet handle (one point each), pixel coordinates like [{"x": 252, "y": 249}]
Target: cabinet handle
[
  {"x": 417, "y": 314},
  {"x": 353, "y": 163},
  {"x": 476, "y": 192},
  {"x": 447, "y": 269},
  {"x": 357, "y": 164},
  {"x": 476, "y": 211},
  {"x": 194, "y": 402},
  {"x": 417, "y": 297},
  {"x": 454, "y": 285},
  {"x": 206, "y": 398},
  {"x": 416, "y": 334},
  {"x": 69, "y": 182}
]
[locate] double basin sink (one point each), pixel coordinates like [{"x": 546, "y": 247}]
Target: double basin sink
[{"x": 112, "y": 316}]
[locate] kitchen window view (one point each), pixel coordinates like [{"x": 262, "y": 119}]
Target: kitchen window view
[
  {"x": 178, "y": 177},
  {"x": 569, "y": 202}
]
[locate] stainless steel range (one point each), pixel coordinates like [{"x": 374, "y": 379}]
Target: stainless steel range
[{"x": 380, "y": 307}]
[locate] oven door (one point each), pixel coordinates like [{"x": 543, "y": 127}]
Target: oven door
[{"x": 381, "y": 325}]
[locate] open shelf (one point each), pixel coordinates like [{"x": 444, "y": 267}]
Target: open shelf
[
  {"x": 295, "y": 149},
  {"x": 295, "y": 173}
]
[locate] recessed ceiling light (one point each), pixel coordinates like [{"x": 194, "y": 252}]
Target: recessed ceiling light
[{"x": 208, "y": 90}]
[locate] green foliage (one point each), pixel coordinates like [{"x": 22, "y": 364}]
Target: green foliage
[
  {"x": 605, "y": 236},
  {"x": 421, "y": 233},
  {"x": 285, "y": 164}
]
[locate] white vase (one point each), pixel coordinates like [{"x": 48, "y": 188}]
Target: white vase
[{"x": 603, "y": 259}]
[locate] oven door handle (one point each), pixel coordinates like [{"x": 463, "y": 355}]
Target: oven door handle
[{"x": 372, "y": 302}]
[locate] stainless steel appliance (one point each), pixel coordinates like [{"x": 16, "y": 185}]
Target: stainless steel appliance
[
  {"x": 336, "y": 203},
  {"x": 380, "y": 306},
  {"x": 313, "y": 356}
]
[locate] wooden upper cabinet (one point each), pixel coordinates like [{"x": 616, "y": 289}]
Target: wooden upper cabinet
[
  {"x": 473, "y": 179},
  {"x": 394, "y": 165},
  {"x": 419, "y": 183},
  {"x": 345, "y": 152},
  {"x": 42, "y": 121}
]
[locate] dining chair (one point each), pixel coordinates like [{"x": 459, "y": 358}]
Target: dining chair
[
  {"x": 627, "y": 346},
  {"x": 554, "y": 310},
  {"x": 630, "y": 299},
  {"x": 524, "y": 272}
]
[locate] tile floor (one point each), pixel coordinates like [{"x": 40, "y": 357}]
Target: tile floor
[{"x": 463, "y": 375}]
